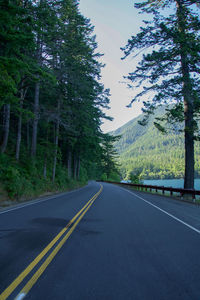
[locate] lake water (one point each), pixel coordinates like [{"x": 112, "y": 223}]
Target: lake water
[{"x": 175, "y": 183}]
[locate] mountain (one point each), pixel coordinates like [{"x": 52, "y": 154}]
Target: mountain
[{"x": 146, "y": 151}]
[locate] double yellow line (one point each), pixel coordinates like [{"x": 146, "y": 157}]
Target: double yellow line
[{"x": 74, "y": 221}]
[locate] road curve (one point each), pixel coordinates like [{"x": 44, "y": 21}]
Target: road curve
[{"x": 100, "y": 242}]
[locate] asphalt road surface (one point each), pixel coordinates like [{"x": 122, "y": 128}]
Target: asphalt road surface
[{"x": 100, "y": 242}]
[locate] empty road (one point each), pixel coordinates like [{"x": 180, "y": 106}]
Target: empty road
[{"x": 100, "y": 242}]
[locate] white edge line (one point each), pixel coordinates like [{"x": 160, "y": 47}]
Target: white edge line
[
  {"x": 18, "y": 206},
  {"x": 170, "y": 215}
]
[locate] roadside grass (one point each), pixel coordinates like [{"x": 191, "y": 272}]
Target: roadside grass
[{"x": 39, "y": 191}]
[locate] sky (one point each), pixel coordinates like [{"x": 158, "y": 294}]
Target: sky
[{"x": 115, "y": 22}]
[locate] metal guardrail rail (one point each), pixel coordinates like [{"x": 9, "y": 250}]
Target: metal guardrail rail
[{"x": 142, "y": 187}]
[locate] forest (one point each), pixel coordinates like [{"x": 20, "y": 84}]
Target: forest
[{"x": 51, "y": 99}]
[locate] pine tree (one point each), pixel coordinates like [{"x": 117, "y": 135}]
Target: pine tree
[
  {"x": 109, "y": 155},
  {"x": 170, "y": 69},
  {"x": 15, "y": 37}
]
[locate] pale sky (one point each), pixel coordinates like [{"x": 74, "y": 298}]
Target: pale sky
[{"x": 115, "y": 21}]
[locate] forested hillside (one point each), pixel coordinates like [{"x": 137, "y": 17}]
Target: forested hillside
[
  {"x": 51, "y": 98},
  {"x": 146, "y": 151}
]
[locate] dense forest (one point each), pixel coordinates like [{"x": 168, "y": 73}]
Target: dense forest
[
  {"x": 51, "y": 99},
  {"x": 150, "y": 154}
]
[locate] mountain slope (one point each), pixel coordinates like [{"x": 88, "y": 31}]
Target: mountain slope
[{"x": 146, "y": 151}]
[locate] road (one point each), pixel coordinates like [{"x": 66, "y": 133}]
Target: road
[{"x": 100, "y": 242}]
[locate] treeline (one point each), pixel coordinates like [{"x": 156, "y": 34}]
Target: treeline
[
  {"x": 51, "y": 98},
  {"x": 157, "y": 156}
]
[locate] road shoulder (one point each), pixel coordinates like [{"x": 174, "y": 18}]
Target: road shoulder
[{"x": 186, "y": 212}]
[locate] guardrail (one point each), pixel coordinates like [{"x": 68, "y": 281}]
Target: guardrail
[{"x": 142, "y": 187}]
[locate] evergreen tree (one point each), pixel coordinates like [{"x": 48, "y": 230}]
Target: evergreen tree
[
  {"x": 109, "y": 156},
  {"x": 16, "y": 39},
  {"x": 171, "y": 71}
]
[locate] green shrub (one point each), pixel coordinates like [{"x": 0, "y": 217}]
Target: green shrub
[
  {"x": 83, "y": 175},
  {"x": 104, "y": 177},
  {"x": 135, "y": 178},
  {"x": 14, "y": 182},
  {"x": 61, "y": 177},
  {"x": 114, "y": 176}
]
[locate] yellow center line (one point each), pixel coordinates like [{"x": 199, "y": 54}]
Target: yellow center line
[
  {"x": 30, "y": 267},
  {"x": 48, "y": 260}
]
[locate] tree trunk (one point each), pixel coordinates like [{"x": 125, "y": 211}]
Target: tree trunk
[
  {"x": 35, "y": 120},
  {"x": 78, "y": 167},
  {"x": 56, "y": 150},
  {"x": 19, "y": 126},
  {"x": 56, "y": 141},
  {"x": 189, "y": 147},
  {"x": 6, "y": 126},
  {"x": 19, "y": 129},
  {"x": 37, "y": 94},
  {"x": 69, "y": 164},
  {"x": 75, "y": 167},
  {"x": 28, "y": 135},
  {"x": 45, "y": 156},
  {"x": 188, "y": 100},
  {"x": 45, "y": 168}
]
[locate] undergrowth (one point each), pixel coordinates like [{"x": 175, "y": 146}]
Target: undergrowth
[{"x": 26, "y": 179}]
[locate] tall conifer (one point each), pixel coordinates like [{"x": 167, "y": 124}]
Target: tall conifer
[{"x": 170, "y": 69}]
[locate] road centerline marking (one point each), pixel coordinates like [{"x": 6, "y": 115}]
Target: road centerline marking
[
  {"x": 165, "y": 212},
  {"x": 48, "y": 260},
  {"x": 8, "y": 291}
]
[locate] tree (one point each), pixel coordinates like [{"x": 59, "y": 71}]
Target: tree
[
  {"x": 15, "y": 36},
  {"x": 43, "y": 25},
  {"x": 109, "y": 155},
  {"x": 170, "y": 72}
]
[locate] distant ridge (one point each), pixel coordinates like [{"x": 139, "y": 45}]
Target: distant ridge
[{"x": 146, "y": 151}]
